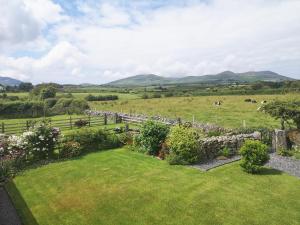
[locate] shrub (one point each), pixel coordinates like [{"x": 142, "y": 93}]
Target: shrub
[
  {"x": 225, "y": 152},
  {"x": 169, "y": 94},
  {"x": 69, "y": 149},
  {"x": 156, "y": 95},
  {"x": 41, "y": 140},
  {"x": 50, "y": 102},
  {"x": 152, "y": 135},
  {"x": 126, "y": 138},
  {"x": 184, "y": 145},
  {"x": 296, "y": 152},
  {"x": 81, "y": 123},
  {"x": 101, "y": 97},
  {"x": 18, "y": 109},
  {"x": 16, "y": 145},
  {"x": 6, "y": 170},
  {"x": 91, "y": 140},
  {"x": 69, "y": 106},
  {"x": 284, "y": 152},
  {"x": 145, "y": 96},
  {"x": 254, "y": 156}
]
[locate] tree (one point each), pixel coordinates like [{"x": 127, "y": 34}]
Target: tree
[
  {"x": 43, "y": 91},
  {"x": 47, "y": 93},
  {"x": 27, "y": 86},
  {"x": 286, "y": 111}
]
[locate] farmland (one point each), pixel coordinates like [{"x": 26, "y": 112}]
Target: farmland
[{"x": 233, "y": 111}]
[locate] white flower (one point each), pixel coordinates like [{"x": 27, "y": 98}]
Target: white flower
[
  {"x": 27, "y": 134},
  {"x": 41, "y": 137}
]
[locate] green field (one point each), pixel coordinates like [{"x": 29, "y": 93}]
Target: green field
[
  {"x": 122, "y": 96},
  {"x": 233, "y": 112},
  {"x": 122, "y": 187},
  {"x": 230, "y": 114}
]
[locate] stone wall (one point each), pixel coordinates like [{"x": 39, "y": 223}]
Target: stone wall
[
  {"x": 214, "y": 145},
  {"x": 206, "y": 127}
]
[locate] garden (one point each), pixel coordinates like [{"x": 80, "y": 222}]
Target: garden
[{"x": 148, "y": 175}]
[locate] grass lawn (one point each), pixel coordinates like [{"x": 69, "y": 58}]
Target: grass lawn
[
  {"x": 121, "y": 187},
  {"x": 231, "y": 113}
]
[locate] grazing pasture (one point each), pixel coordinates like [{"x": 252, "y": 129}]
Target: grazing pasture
[
  {"x": 124, "y": 187},
  {"x": 232, "y": 112}
]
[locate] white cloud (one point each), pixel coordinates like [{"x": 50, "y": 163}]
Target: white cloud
[
  {"x": 110, "y": 41},
  {"x": 63, "y": 63},
  {"x": 22, "y": 24}
]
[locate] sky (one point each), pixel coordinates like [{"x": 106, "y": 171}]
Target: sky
[{"x": 97, "y": 41}]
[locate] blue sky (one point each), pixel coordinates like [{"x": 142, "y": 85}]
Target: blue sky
[{"x": 97, "y": 41}]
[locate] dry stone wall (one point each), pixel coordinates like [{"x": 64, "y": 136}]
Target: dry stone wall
[
  {"x": 206, "y": 127},
  {"x": 211, "y": 147}
]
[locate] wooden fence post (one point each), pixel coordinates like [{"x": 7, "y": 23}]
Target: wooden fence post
[
  {"x": 105, "y": 119},
  {"x": 116, "y": 117},
  {"x": 89, "y": 120},
  {"x": 179, "y": 121},
  {"x": 126, "y": 127},
  {"x": 27, "y": 125},
  {"x": 71, "y": 124},
  {"x": 3, "y": 128}
]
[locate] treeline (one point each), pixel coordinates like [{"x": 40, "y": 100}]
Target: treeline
[
  {"x": 101, "y": 98},
  {"x": 42, "y": 101},
  {"x": 49, "y": 107}
]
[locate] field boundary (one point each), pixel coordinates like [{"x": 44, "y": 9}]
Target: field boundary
[
  {"x": 140, "y": 118},
  {"x": 63, "y": 124}
]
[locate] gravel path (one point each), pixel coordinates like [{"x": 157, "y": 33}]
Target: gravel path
[
  {"x": 215, "y": 163},
  {"x": 8, "y": 214},
  {"x": 285, "y": 164}
]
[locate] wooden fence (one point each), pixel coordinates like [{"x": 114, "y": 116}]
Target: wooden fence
[
  {"x": 64, "y": 124},
  {"x": 70, "y": 122}
]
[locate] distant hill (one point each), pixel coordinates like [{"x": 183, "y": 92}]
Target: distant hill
[
  {"x": 142, "y": 80},
  {"x": 7, "y": 81},
  {"x": 224, "y": 77}
]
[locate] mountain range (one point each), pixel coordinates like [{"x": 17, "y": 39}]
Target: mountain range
[
  {"x": 8, "y": 81},
  {"x": 220, "y": 78}
]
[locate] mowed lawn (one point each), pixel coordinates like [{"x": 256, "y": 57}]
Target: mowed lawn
[
  {"x": 122, "y": 187},
  {"x": 232, "y": 113}
]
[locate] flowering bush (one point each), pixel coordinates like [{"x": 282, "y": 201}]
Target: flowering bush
[
  {"x": 16, "y": 146},
  {"x": 41, "y": 140}
]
